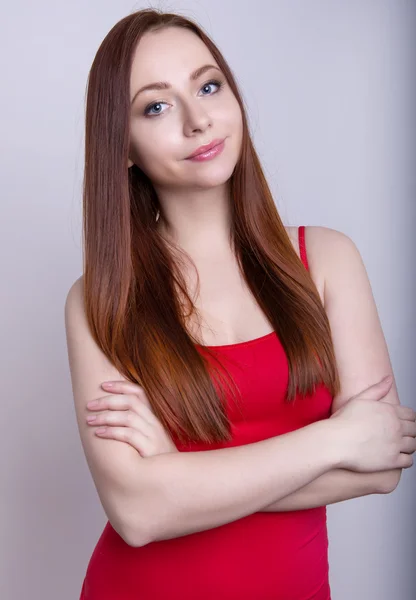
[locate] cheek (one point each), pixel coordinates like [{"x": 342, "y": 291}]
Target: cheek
[
  {"x": 230, "y": 121},
  {"x": 148, "y": 150},
  {"x": 156, "y": 159},
  {"x": 237, "y": 117},
  {"x": 237, "y": 129}
]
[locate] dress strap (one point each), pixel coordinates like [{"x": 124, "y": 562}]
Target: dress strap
[{"x": 302, "y": 246}]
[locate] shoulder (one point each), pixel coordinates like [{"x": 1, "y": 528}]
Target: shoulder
[
  {"x": 329, "y": 251},
  {"x": 318, "y": 240},
  {"x": 325, "y": 248},
  {"x": 74, "y": 313},
  {"x": 75, "y": 293}
]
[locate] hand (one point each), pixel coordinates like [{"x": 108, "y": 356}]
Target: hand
[
  {"x": 375, "y": 435},
  {"x": 128, "y": 417}
]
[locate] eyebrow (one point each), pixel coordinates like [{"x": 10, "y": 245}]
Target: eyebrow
[{"x": 164, "y": 85}]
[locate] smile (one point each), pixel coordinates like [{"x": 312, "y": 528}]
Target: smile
[{"x": 209, "y": 154}]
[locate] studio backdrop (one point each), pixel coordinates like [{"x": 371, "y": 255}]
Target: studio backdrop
[{"x": 330, "y": 91}]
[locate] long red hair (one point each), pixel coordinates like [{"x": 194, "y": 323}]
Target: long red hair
[{"x": 131, "y": 279}]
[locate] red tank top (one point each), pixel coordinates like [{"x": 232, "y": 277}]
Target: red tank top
[{"x": 263, "y": 556}]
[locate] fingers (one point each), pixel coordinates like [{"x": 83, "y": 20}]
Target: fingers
[
  {"x": 135, "y": 438},
  {"x": 408, "y": 428},
  {"x": 408, "y": 445},
  {"x": 405, "y": 461},
  {"x": 126, "y": 387},
  {"x": 125, "y": 414},
  {"x": 122, "y": 418},
  {"x": 407, "y": 413},
  {"x": 125, "y": 402},
  {"x": 408, "y": 425},
  {"x": 377, "y": 390}
]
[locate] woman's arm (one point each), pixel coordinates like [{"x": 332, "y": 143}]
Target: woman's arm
[
  {"x": 171, "y": 495},
  {"x": 360, "y": 348},
  {"x": 361, "y": 354},
  {"x": 362, "y": 359},
  {"x": 336, "y": 486}
]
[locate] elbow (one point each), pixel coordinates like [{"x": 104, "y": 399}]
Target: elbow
[
  {"x": 145, "y": 513},
  {"x": 142, "y": 512},
  {"x": 390, "y": 481},
  {"x": 141, "y": 527},
  {"x": 134, "y": 536},
  {"x": 133, "y": 530}
]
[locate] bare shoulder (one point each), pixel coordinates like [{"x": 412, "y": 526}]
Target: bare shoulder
[
  {"x": 323, "y": 245},
  {"x": 318, "y": 240},
  {"x": 75, "y": 292},
  {"x": 330, "y": 252}
]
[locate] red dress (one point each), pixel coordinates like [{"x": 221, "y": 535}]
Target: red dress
[{"x": 263, "y": 556}]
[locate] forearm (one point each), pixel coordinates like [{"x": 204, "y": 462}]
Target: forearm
[
  {"x": 334, "y": 486},
  {"x": 186, "y": 492}
]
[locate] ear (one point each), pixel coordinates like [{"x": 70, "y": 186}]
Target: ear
[{"x": 130, "y": 163}]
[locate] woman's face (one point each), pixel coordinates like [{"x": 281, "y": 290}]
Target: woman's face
[{"x": 167, "y": 125}]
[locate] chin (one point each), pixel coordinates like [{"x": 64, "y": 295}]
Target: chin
[
  {"x": 209, "y": 182},
  {"x": 213, "y": 175}
]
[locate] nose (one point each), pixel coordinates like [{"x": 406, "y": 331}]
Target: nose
[{"x": 196, "y": 118}]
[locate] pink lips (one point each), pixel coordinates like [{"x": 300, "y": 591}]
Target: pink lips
[{"x": 208, "y": 151}]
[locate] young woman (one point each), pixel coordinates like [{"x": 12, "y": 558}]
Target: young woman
[{"x": 246, "y": 358}]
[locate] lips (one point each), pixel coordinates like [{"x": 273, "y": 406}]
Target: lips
[{"x": 205, "y": 148}]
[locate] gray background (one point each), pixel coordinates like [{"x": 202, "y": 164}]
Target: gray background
[{"x": 330, "y": 91}]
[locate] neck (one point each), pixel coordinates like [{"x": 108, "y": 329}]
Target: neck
[{"x": 197, "y": 221}]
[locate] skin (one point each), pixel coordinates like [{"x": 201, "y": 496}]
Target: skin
[
  {"x": 194, "y": 199},
  {"x": 194, "y": 196},
  {"x": 166, "y": 126}
]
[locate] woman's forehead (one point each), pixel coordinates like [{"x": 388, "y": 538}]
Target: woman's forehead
[{"x": 169, "y": 52}]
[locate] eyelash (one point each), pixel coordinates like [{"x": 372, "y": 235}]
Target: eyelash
[{"x": 212, "y": 81}]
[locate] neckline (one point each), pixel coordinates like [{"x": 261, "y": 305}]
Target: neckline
[{"x": 240, "y": 344}]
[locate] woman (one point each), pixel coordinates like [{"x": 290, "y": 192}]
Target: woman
[{"x": 214, "y": 487}]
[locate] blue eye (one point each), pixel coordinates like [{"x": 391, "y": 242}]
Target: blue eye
[
  {"x": 148, "y": 109},
  {"x": 213, "y": 82}
]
